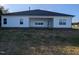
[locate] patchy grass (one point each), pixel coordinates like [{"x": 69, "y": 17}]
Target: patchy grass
[{"x": 39, "y": 41}]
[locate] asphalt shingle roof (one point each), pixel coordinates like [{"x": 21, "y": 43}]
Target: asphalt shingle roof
[{"x": 38, "y": 12}]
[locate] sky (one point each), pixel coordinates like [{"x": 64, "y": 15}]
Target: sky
[{"x": 72, "y": 9}]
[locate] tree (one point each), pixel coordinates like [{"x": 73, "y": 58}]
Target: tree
[{"x": 2, "y": 11}]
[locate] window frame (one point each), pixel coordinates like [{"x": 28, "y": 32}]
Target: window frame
[
  {"x": 5, "y": 21},
  {"x": 62, "y": 22},
  {"x": 21, "y": 21},
  {"x": 39, "y": 23}
]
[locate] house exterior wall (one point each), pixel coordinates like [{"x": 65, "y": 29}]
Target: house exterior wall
[
  {"x": 68, "y": 22},
  {"x": 55, "y": 22},
  {"x": 14, "y": 21}
]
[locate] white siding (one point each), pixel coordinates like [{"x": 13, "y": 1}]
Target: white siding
[
  {"x": 68, "y": 22},
  {"x": 14, "y": 21}
]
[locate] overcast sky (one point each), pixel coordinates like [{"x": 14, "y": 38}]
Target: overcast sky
[{"x": 72, "y": 9}]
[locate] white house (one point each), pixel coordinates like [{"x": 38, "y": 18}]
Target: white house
[{"x": 37, "y": 18}]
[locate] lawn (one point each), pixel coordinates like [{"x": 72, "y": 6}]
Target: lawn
[{"x": 39, "y": 41}]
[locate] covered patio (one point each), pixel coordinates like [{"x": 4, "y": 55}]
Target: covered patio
[{"x": 41, "y": 22}]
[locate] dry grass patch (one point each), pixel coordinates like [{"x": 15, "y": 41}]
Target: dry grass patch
[{"x": 39, "y": 42}]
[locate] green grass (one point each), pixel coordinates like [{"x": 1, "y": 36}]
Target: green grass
[{"x": 42, "y": 41}]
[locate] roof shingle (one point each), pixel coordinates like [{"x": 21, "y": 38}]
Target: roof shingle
[{"x": 38, "y": 12}]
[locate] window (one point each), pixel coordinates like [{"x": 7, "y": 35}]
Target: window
[
  {"x": 38, "y": 23},
  {"x": 62, "y": 22},
  {"x": 21, "y": 21},
  {"x": 5, "y": 20}
]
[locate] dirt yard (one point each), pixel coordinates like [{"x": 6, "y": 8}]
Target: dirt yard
[{"x": 39, "y": 41}]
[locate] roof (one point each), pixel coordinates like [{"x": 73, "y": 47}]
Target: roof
[{"x": 38, "y": 12}]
